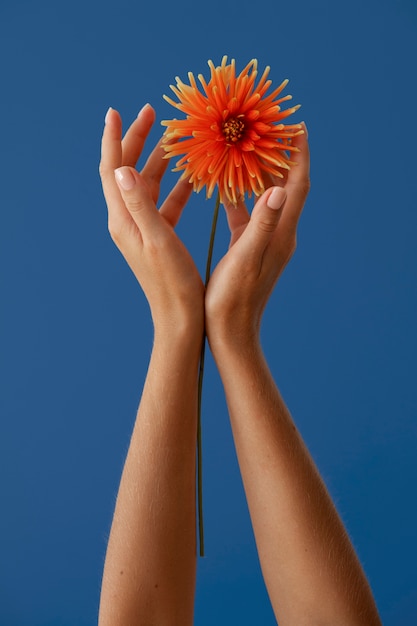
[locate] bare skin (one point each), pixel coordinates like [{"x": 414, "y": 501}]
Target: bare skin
[
  {"x": 310, "y": 568},
  {"x": 149, "y": 574},
  {"x": 309, "y": 565}
]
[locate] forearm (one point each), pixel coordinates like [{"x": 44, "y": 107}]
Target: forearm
[
  {"x": 149, "y": 574},
  {"x": 310, "y": 568}
]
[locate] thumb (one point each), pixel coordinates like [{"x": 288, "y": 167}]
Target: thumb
[
  {"x": 265, "y": 217},
  {"x": 137, "y": 198}
]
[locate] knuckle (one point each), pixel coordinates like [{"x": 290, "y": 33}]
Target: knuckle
[
  {"x": 135, "y": 204},
  {"x": 268, "y": 223}
]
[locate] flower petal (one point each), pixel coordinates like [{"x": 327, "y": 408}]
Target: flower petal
[{"x": 233, "y": 132}]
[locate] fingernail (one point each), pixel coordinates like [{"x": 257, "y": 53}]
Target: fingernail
[
  {"x": 303, "y": 124},
  {"x": 276, "y": 198},
  {"x": 107, "y": 115},
  {"x": 145, "y": 106},
  {"x": 125, "y": 178}
]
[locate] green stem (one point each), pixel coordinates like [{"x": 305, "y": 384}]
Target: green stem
[{"x": 200, "y": 388}]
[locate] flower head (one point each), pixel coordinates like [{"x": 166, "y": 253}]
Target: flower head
[{"x": 233, "y": 133}]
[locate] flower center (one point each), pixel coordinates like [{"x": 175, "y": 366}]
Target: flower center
[{"x": 233, "y": 129}]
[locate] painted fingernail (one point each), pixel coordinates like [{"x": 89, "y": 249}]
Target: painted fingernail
[
  {"x": 125, "y": 178},
  {"x": 106, "y": 119},
  {"x": 276, "y": 198}
]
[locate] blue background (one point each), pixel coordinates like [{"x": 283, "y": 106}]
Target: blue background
[{"x": 339, "y": 332}]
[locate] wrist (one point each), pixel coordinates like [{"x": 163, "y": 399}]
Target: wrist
[
  {"x": 227, "y": 340},
  {"x": 185, "y": 331},
  {"x": 232, "y": 323}
]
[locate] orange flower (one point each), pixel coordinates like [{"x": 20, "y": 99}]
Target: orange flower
[{"x": 233, "y": 134}]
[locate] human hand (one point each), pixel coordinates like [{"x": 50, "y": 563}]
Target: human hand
[
  {"x": 144, "y": 235},
  {"x": 260, "y": 247}
]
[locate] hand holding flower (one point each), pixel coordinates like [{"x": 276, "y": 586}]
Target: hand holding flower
[
  {"x": 144, "y": 235},
  {"x": 149, "y": 573},
  {"x": 233, "y": 138},
  {"x": 260, "y": 247}
]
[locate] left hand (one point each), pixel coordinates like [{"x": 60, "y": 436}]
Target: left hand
[{"x": 144, "y": 235}]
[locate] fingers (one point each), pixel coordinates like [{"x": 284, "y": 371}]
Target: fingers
[
  {"x": 237, "y": 219},
  {"x": 298, "y": 181},
  {"x": 132, "y": 146},
  {"x": 297, "y": 186},
  {"x": 137, "y": 199},
  {"x": 175, "y": 202},
  {"x": 117, "y": 153},
  {"x": 300, "y": 157},
  {"x": 264, "y": 220},
  {"x": 111, "y": 150},
  {"x": 301, "y": 172},
  {"x": 134, "y": 140},
  {"x": 111, "y": 159},
  {"x": 154, "y": 169}
]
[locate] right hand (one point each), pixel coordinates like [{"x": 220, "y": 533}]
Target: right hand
[{"x": 260, "y": 247}]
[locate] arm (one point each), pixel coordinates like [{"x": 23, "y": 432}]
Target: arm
[
  {"x": 309, "y": 565},
  {"x": 149, "y": 572}
]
